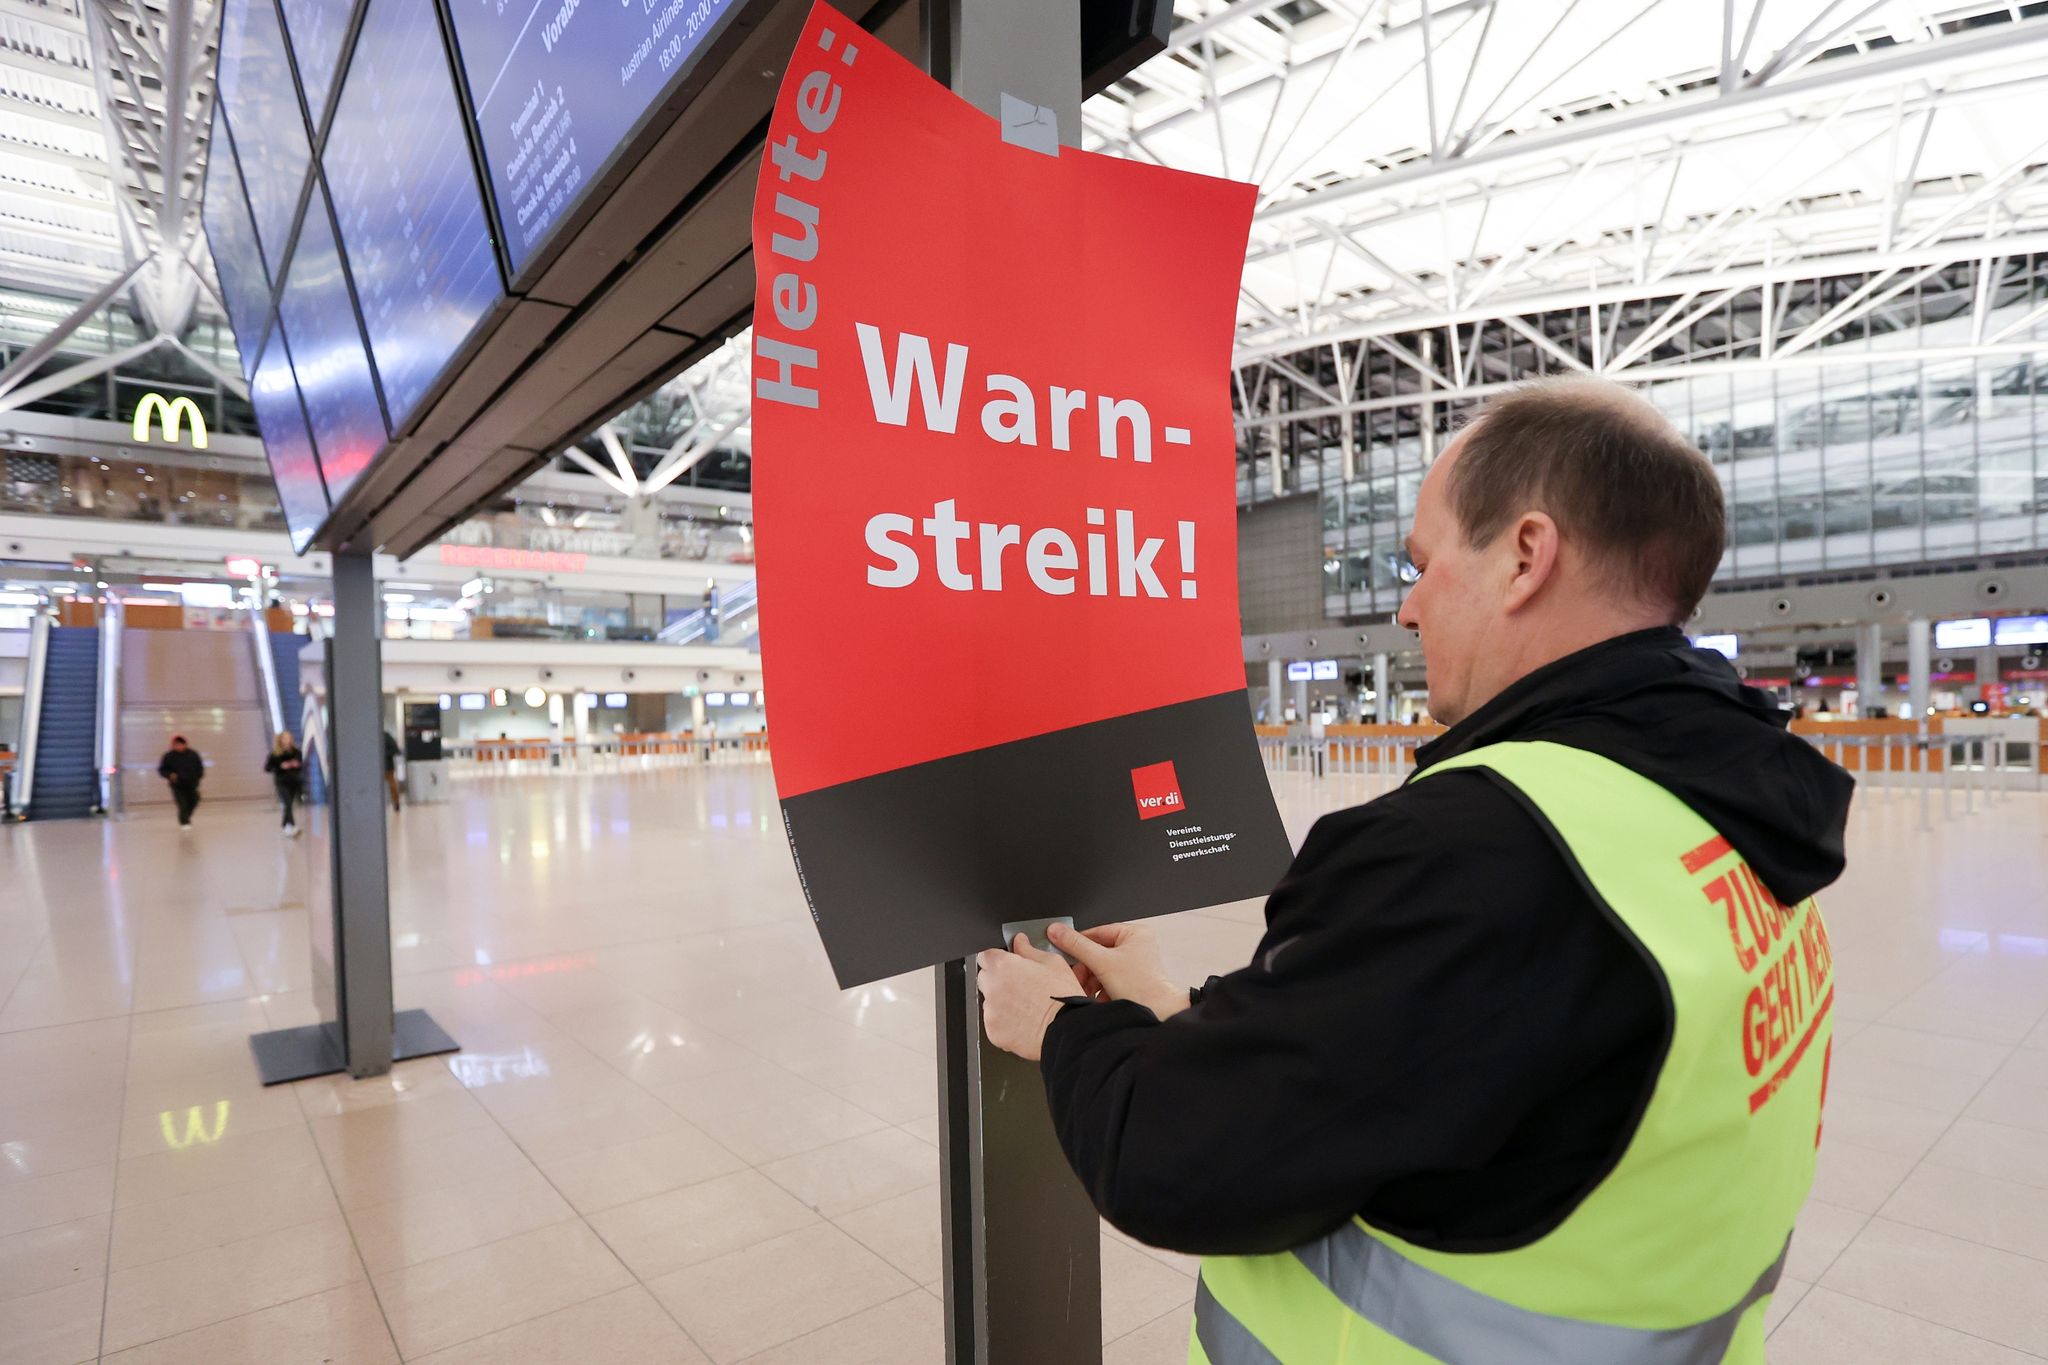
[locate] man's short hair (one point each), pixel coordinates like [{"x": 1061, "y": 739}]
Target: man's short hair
[{"x": 1618, "y": 479}]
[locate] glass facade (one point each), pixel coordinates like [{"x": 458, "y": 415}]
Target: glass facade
[{"x": 1909, "y": 433}]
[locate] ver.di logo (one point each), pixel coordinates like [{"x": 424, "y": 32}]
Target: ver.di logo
[{"x": 1157, "y": 788}]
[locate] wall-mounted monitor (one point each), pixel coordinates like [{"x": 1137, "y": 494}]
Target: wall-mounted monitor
[
  {"x": 1325, "y": 670},
  {"x": 2020, "y": 630},
  {"x": 742, "y": 699},
  {"x": 1301, "y": 670},
  {"x": 614, "y": 700},
  {"x": 470, "y": 701},
  {"x": 255, "y": 82},
  {"x": 316, "y": 29},
  {"x": 1728, "y": 646},
  {"x": 714, "y": 698},
  {"x": 558, "y": 88},
  {"x": 327, "y": 353},
  {"x": 244, "y": 284},
  {"x": 413, "y": 226},
  {"x": 274, "y": 394},
  {"x": 1971, "y": 633}
]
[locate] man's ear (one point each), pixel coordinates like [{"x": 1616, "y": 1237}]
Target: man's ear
[{"x": 1533, "y": 543}]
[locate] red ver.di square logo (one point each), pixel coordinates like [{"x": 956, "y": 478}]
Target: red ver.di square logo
[{"x": 1158, "y": 790}]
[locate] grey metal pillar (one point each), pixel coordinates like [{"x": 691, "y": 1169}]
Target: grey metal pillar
[
  {"x": 1275, "y": 675},
  {"x": 1383, "y": 688},
  {"x": 1919, "y": 667},
  {"x": 1870, "y": 668},
  {"x": 1022, "y": 1242},
  {"x": 1301, "y": 700},
  {"x": 362, "y": 892},
  {"x": 1987, "y": 670},
  {"x": 366, "y": 1036}
]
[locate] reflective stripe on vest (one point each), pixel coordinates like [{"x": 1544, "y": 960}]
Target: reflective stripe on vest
[
  {"x": 1669, "y": 1258},
  {"x": 1224, "y": 1339},
  {"x": 1460, "y": 1326}
]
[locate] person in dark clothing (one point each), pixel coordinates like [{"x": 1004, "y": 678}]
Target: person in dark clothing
[
  {"x": 1443, "y": 1031},
  {"x": 182, "y": 767},
  {"x": 391, "y": 768},
  {"x": 287, "y": 769}
]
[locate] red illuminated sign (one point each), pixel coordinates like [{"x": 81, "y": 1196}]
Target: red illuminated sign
[{"x": 494, "y": 557}]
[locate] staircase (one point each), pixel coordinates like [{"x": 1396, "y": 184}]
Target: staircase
[{"x": 65, "y": 785}]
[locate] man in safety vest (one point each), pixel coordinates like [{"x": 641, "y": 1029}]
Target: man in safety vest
[{"x": 1529, "y": 1064}]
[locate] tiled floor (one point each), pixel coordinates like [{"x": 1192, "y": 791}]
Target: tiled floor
[{"x": 669, "y": 1138}]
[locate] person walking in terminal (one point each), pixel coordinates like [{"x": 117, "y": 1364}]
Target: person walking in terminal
[
  {"x": 182, "y": 767},
  {"x": 287, "y": 769},
  {"x": 391, "y": 768},
  {"x": 1530, "y": 1060}
]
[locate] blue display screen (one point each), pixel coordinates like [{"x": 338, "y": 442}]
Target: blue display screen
[
  {"x": 328, "y": 355},
  {"x": 255, "y": 79},
  {"x": 559, "y": 84},
  {"x": 274, "y": 394},
  {"x": 317, "y": 28},
  {"x": 244, "y": 286},
  {"x": 405, "y": 193}
]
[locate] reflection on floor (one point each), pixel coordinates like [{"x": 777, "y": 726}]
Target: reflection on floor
[{"x": 669, "y": 1138}]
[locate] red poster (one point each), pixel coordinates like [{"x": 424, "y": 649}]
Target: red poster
[{"x": 994, "y": 493}]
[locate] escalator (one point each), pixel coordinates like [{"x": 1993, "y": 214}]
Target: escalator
[
  {"x": 64, "y": 785},
  {"x": 732, "y": 617}
]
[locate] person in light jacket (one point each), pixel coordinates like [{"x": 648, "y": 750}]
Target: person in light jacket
[{"x": 287, "y": 769}]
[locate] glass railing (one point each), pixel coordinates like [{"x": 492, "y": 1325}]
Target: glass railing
[{"x": 168, "y": 494}]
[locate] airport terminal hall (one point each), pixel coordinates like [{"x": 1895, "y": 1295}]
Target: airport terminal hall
[{"x": 1410, "y": 650}]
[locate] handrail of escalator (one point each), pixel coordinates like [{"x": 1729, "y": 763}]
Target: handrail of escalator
[
  {"x": 106, "y": 739},
  {"x": 266, "y": 672},
  {"x": 24, "y": 775}
]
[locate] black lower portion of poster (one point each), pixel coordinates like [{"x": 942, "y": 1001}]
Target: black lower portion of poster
[{"x": 926, "y": 863}]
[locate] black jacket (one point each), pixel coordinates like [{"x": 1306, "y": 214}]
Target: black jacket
[
  {"x": 287, "y": 770},
  {"x": 1440, "y": 1029},
  {"x": 184, "y": 769}
]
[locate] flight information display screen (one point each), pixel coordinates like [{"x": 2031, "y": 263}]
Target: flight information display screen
[
  {"x": 255, "y": 81},
  {"x": 274, "y": 394},
  {"x": 328, "y": 356},
  {"x": 412, "y": 219},
  {"x": 558, "y": 84},
  {"x": 317, "y": 28},
  {"x": 244, "y": 287}
]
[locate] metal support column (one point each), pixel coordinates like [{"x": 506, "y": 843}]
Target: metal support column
[
  {"x": 1870, "y": 668},
  {"x": 1919, "y": 667},
  {"x": 1301, "y": 701},
  {"x": 1383, "y": 688},
  {"x": 1987, "y": 673},
  {"x": 366, "y": 1036},
  {"x": 1022, "y": 1251},
  {"x": 1275, "y": 676}
]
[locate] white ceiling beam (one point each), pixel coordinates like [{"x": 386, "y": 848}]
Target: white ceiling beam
[
  {"x": 46, "y": 68},
  {"x": 1622, "y": 291},
  {"x": 56, "y": 20},
  {"x": 1681, "y": 369},
  {"x": 1672, "y": 117},
  {"x": 15, "y": 107}
]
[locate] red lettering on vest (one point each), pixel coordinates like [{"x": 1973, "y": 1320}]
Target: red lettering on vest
[
  {"x": 1785, "y": 950},
  {"x": 1722, "y": 889},
  {"x": 1712, "y": 851}
]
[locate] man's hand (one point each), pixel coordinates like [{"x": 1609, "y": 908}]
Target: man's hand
[
  {"x": 1021, "y": 991},
  {"x": 1121, "y": 962}
]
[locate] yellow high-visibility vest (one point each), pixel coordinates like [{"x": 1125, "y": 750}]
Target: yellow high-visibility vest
[{"x": 1669, "y": 1260}]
